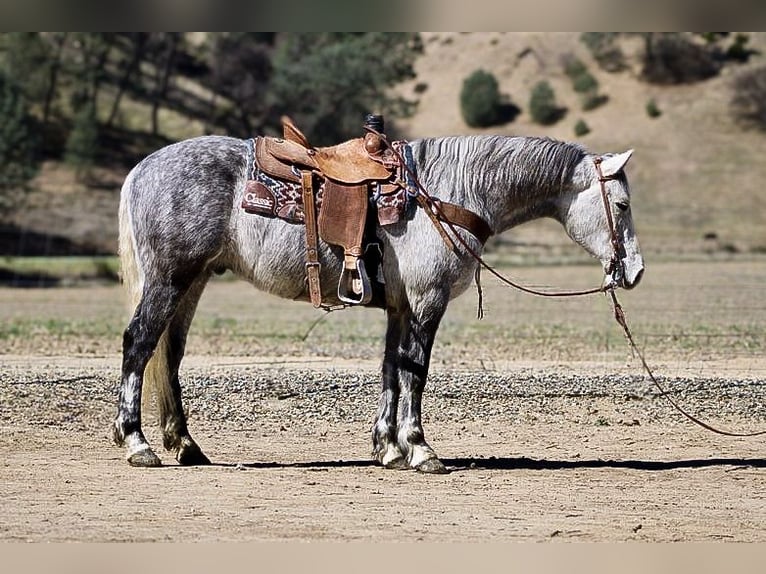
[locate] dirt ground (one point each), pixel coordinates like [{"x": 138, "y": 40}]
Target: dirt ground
[{"x": 544, "y": 418}]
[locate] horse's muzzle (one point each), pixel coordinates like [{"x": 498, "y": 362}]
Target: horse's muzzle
[{"x": 617, "y": 276}]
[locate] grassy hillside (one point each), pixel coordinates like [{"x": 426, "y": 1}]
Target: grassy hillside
[
  {"x": 694, "y": 172},
  {"x": 697, "y": 176}
]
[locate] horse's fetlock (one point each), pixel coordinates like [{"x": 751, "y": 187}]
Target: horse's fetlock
[
  {"x": 118, "y": 433},
  {"x": 415, "y": 436}
]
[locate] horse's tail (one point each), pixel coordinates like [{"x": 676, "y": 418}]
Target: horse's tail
[{"x": 156, "y": 374}]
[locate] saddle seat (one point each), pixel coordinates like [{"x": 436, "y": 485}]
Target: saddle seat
[{"x": 352, "y": 162}]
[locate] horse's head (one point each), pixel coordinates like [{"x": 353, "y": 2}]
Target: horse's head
[{"x": 583, "y": 212}]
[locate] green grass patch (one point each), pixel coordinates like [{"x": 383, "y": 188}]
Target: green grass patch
[{"x": 58, "y": 270}]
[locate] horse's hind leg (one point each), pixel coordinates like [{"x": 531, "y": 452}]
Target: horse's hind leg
[
  {"x": 175, "y": 433},
  {"x": 150, "y": 319}
]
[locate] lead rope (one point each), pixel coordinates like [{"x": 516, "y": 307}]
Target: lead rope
[{"x": 619, "y": 316}]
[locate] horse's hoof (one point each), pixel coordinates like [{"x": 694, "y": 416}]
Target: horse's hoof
[
  {"x": 432, "y": 466},
  {"x": 144, "y": 458},
  {"x": 398, "y": 463},
  {"x": 191, "y": 455}
]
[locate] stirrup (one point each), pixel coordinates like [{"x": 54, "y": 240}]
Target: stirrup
[{"x": 354, "y": 285}]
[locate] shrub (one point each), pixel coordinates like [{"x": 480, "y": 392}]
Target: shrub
[
  {"x": 581, "y": 128},
  {"x": 738, "y": 50},
  {"x": 603, "y": 46},
  {"x": 593, "y": 100},
  {"x": 675, "y": 59},
  {"x": 583, "y": 82},
  {"x": 573, "y": 66},
  {"x": 652, "y": 110},
  {"x": 480, "y": 100},
  {"x": 748, "y": 103},
  {"x": 542, "y": 104}
]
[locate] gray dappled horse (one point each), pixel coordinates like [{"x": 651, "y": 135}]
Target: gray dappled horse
[{"x": 181, "y": 221}]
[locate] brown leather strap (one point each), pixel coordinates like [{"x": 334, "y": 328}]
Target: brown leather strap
[
  {"x": 466, "y": 219},
  {"x": 423, "y": 201},
  {"x": 312, "y": 251}
]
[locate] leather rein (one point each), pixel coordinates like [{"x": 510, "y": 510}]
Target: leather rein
[{"x": 436, "y": 212}]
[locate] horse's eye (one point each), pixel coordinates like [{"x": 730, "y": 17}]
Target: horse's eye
[{"x": 622, "y": 206}]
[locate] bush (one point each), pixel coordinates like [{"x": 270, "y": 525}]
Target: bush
[
  {"x": 542, "y": 104},
  {"x": 581, "y": 128},
  {"x": 652, "y": 110},
  {"x": 748, "y": 103},
  {"x": 675, "y": 59},
  {"x": 603, "y": 46},
  {"x": 593, "y": 100},
  {"x": 583, "y": 82},
  {"x": 573, "y": 66},
  {"x": 738, "y": 50},
  {"x": 480, "y": 100}
]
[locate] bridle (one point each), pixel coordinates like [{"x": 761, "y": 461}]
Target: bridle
[{"x": 614, "y": 267}]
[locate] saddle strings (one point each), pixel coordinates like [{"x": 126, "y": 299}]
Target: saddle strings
[{"x": 619, "y": 314}]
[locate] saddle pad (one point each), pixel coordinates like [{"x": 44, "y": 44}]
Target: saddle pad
[{"x": 272, "y": 195}]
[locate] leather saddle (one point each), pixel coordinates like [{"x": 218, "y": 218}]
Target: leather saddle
[
  {"x": 345, "y": 174},
  {"x": 352, "y": 162}
]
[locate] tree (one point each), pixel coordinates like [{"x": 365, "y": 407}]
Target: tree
[
  {"x": 131, "y": 64},
  {"x": 169, "y": 42},
  {"x": 240, "y": 70},
  {"x": 480, "y": 100},
  {"x": 18, "y": 161},
  {"x": 82, "y": 142},
  {"x": 328, "y": 81}
]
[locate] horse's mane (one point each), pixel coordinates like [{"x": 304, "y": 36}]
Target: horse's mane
[{"x": 522, "y": 165}]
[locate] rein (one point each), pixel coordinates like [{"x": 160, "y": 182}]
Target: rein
[{"x": 433, "y": 208}]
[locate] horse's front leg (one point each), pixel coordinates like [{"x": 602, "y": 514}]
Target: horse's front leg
[
  {"x": 384, "y": 432},
  {"x": 417, "y": 338}
]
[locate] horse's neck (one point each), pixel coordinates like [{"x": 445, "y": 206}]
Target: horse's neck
[{"x": 460, "y": 172}]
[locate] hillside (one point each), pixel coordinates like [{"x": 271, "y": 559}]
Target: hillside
[
  {"x": 694, "y": 171},
  {"x": 695, "y": 174}
]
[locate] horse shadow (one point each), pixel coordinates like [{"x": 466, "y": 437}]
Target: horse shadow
[{"x": 522, "y": 463}]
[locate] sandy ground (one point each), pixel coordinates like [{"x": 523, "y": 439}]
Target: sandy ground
[{"x": 542, "y": 445}]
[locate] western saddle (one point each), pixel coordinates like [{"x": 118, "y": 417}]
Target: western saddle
[{"x": 340, "y": 179}]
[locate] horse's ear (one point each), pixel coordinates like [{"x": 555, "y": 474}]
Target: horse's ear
[{"x": 612, "y": 164}]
